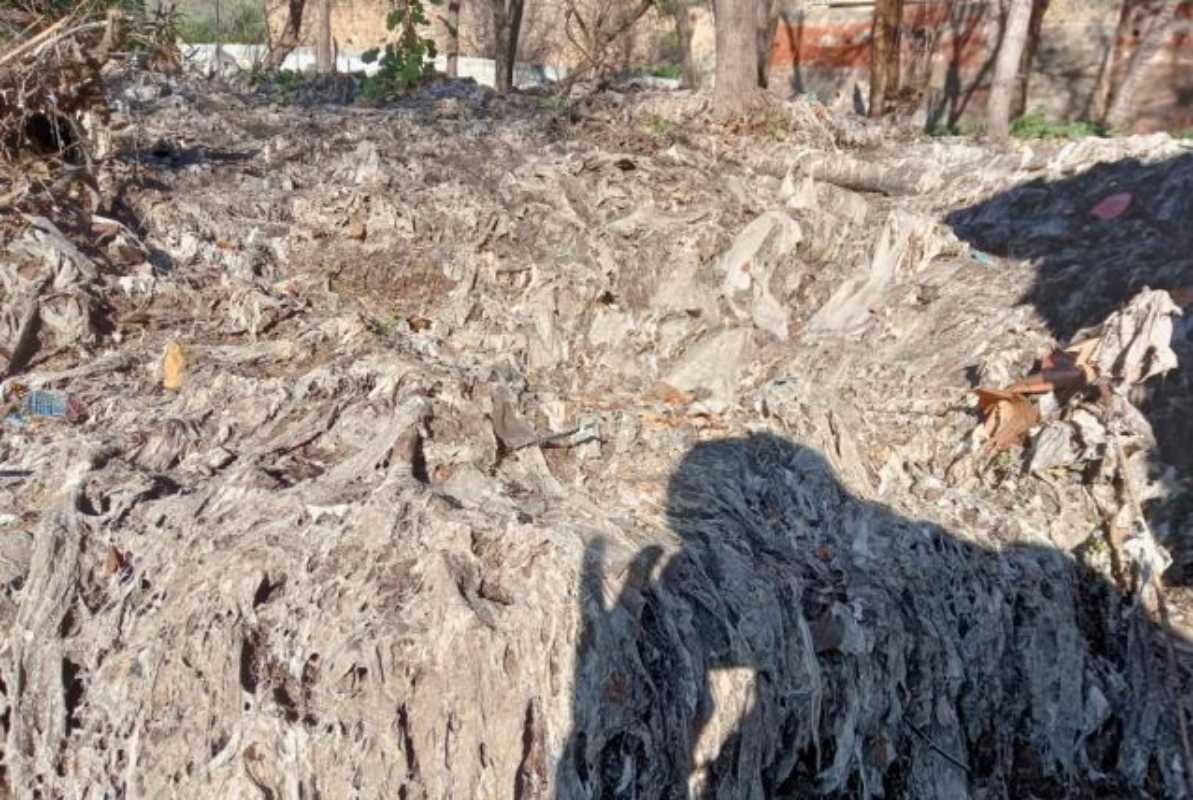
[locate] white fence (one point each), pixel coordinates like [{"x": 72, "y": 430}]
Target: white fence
[{"x": 302, "y": 59}]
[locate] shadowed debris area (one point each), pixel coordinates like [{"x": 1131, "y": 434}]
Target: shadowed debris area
[
  {"x": 1088, "y": 266},
  {"x": 1097, "y": 239},
  {"x": 796, "y": 641}
]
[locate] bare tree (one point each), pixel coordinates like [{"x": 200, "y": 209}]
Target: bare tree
[
  {"x": 323, "y": 60},
  {"x": 1006, "y": 68},
  {"x": 452, "y": 23},
  {"x": 1034, "y": 32},
  {"x": 289, "y": 36},
  {"x": 765, "y": 25},
  {"x": 1121, "y": 106},
  {"x": 737, "y": 90},
  {"x": 593, "y": 26},
  {"x": 507, "y": 24},
  {"x": 683, "y": 36},
  {"x": 1112, "y": 62},
  {"x": 884, "y": 54}
]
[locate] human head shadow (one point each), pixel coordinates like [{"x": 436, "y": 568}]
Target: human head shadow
[
  {"x": 788, "y": 639},
  {"x": 1086, "y": 268}
]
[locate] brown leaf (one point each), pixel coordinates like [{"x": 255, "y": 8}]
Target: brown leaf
[
  {"x": 173, "y": 366},
  {"x": 1082, "y": 351},
  {"x": 114, "y": 561},
  {"x": 666, "y": 393},
  {"x": 1009, "y": 415},
  {"x": 1052, "y": 379}
]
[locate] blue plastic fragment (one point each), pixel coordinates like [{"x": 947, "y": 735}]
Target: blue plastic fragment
[
  {"x": 46, "y": 404},
  {"x": 41, "y": 403}
]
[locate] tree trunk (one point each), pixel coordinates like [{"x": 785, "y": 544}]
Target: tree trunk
[
  {"x": 766, "y": 23},
  {"x": 884, "y": 54},
  {"x": 1122, "y": 99},
  {"x": 1112, "y": 63},
  {"x": 323, "y": 60},
  {"x": 737, "y": 91},
  {"x": 219, "y": 40},
  {"x": 507, "y": 24},
  {"x": 1006, "y": 68},
  {"x": 500, "y": 35},
  {"x": 288, "y": 38},
  {"x": 515, "y": 33},
  {"x": 1034, "y": 28},
  {"x": 683, "y": 34},
  {"x": 452, "y": 23}
]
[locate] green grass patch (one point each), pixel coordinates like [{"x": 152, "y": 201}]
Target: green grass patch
[
  {"x": 962, "y": 128},
  {"x": 1036, "y": 125},
  {"x": 659, "y": 126},
  {"x": 556, "y": 103},
  {"x": 244, "y": 24}
]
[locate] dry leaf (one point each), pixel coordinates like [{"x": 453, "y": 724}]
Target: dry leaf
[
  {"x": 114, "y": 561},
  {"x": 1113, "y": 206},
  {"x": 1009, "y": 416},
  {"x": 1082, "y": 351},
  {"x": 173, "y": 366},
  {"x": 1059, "y": 371},
  {"x": 666, "y": 393}
]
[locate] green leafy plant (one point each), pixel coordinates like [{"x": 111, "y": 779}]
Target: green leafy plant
[
  {"x": 1037, "y": 125},
  {"x": 659, "y": 126},
  {"x": 674, "y": 71},
  {"x": 241, "y": 24},
  {"x": 408, "y": 60},
  {"x": 958, "y": 129},
  {"x": 556, "y": 103},
  {"x": 282, "y": 84}
]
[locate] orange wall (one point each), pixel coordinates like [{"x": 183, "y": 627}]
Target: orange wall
[{"x": 845, "y": 43}]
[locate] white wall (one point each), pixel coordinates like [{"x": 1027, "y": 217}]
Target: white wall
[{"x": 301, "y": 59}]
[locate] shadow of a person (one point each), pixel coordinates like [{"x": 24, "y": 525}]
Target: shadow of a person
[{"x": 786, "y": 639}]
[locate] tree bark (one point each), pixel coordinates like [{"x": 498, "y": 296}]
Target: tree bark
[
  {"x": 288, "y": 38},
  {"x": 219, "y": 40},
  {"x": 323, "y": 60},
  {"x": 766, "y": 23},
  {"x": 683, "y": 35},
  {"x": 452, "y": 23},
  {"x": 1122, "y": 98},
  {"x": 1113, "y": 61},
  {"x": 1034, "y": 28},
  {"x": 884, "y": 54},
  {"x": 1006, "y": 68},
  {"x": 507, "y": 24},
  {"x": 515, "y": 33},
  {"x": 737, "y": 90}
]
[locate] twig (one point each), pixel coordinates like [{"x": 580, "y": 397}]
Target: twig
[
  {"x": 1170, "y": 683},
  {"x": 1156, "y": 581},
  {"x": 940, "y": 751},
  {"x": 87, "y": 26},
  {"x": 20, "y": 49}
]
